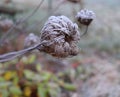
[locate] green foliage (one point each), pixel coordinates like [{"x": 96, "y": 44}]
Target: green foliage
[
  {"x": 15, "y": 90},
  {"x": 24, "y": 82}
]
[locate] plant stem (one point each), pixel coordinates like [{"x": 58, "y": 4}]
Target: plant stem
[
  {"x": 12, "y": 55},
  {"x": 84, "y": 32}
]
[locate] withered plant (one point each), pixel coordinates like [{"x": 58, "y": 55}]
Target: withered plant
[{"x": 59, "y": 36}]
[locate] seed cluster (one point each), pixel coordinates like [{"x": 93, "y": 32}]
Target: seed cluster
[
  {"x": 85, "y": 16},
  {"x": 31, "y": 40},
  {"x": 61, "y": 35}
]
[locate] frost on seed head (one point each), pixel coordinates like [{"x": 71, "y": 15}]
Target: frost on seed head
[
  {"x": 31, "y": 40},
  {"x": 61, "y": 35},
  {"x": 85, "y": 16}
]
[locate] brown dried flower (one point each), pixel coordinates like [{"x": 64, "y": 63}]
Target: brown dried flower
[
  {"x": 61, "y": 35},
  {"x": 85, "y": 16},
  {"x": 31, "y": 40},
  {"x": 6, "y": 24}
]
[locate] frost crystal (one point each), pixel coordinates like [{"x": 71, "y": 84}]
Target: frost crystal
[
  {"x": 62, "y": 36},
  {"x": 85, "y": 16},
  {"x": 31, "y": 40}
]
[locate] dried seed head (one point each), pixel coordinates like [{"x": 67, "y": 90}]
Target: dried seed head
[
  {"x": 85, "y": 16},
  {"x": 6, "y": 24},
  {"x": 60, "y": 33},
  {"x": 31, "y": 40}
]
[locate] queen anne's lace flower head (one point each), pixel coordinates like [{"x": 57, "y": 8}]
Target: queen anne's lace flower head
[
  {"x": 61, "y": 35},
  {"x": 31, "y": 40},
  {"x": 85, "y": 16}
]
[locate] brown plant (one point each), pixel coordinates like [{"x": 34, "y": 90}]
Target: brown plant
[{"x": 62, "y": 36}]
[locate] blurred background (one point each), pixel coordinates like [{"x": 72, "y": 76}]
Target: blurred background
[{"x": 94, "y": 72}]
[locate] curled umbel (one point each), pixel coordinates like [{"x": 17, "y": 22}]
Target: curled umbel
[{"x": 61, "y": 36}]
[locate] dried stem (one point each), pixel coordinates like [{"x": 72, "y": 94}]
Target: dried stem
[
  {"x": 40, "y": 22},
  {"x": 50, "y": 7},
  {"x": 25, "y": 19},
  {"x": 84, "y": 32},
  {"x": 12, "y": 55}
]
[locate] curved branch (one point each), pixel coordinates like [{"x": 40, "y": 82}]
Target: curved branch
[
  {"x": 12, "y": 55},
  {"x": 44, "y": 18},
  {"x": 35, "y": 10}
]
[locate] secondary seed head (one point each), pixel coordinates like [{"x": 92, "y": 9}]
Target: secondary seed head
[{"x": 85, "y": 16}]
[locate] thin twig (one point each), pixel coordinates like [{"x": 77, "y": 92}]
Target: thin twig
[
  {"x": 22, "y": 20},
  {"x": 25, "y": 19},
  {"x": 50, "y": 7},
  {"x": 84, "y": 32},
  {"x": 12, "y": 55},
  {"x": 40, "y": 22}
]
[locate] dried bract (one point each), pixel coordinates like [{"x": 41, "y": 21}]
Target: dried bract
[
  {"x": 85, "y": 16},
  {"x": 31, "y": 40},
  {"x": 62, "y": 36}
]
